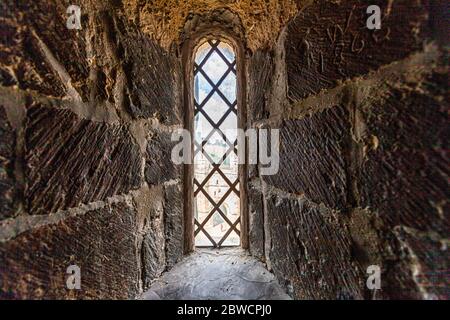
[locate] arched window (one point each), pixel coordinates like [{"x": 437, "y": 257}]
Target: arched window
[{"x": 216, "y": 180}]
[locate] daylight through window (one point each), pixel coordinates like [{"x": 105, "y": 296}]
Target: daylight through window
[{"x": 216, "y": 180}]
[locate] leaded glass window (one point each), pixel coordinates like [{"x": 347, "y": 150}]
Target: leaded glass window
[{"x": 216, "y": 179}]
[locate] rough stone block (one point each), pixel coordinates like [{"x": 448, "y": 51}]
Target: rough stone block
[
  {"x": 174, "y": 224},
  {"x": 329, "y": 41},
  {"x": 153, "y": 91},
  {"x": 311, "y": 252},
  {"x": 70, "y": 161},
  {"x": 405, "y": 177},
  {"x": 416, "y": 268},
  {"x": 260, "y": 74},
  {"x": 159, "y": 167},
  {"x": 313, "y": 157},
  {"x": 23, "y": 62},
  {"x": 153, "y": 253},
  {"x": 101, "y": 242},
  {"x": 440, "y": 20},
  {"x": 7, "y": 156},
  {"x": 423, "y": 272},
  {"x": 256, "y": 221}
]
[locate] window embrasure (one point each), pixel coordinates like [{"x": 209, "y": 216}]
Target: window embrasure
[{"x": 216, "y": 177}]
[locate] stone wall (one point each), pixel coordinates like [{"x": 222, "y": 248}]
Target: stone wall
[
  {"x": 86, "y": 118},
  {"x": 364, "y": 168},
  {"x": 86, "y": 179}
]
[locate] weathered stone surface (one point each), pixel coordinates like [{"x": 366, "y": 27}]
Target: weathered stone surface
[
  {"x": 313, "y": 157},
  {"x": 208, "y": 274},
  {"x": 71, "y": 161},
  {"x": 152, "y": 258},
  {"x": 101, "y": 242},
  {"x": 260, "y": 73},
  {"x": 153, "y": 255},
  {"x": 405, "y": 177},
  {"x": 153, "y": 91},
  {"x": 173, "y": 223},
  {"x": 440, "y": 20},
  {"x": 311, "y": 251},
  {"x": 366, "y": 245},
  {"x": 31, "y": 71},
  {"x": 260, "y": 20},
  {"x": 329, "y": 41},
  {"x": 26, "y": 25},
  {"x": 256, "y": 221},
  {"x": 362, "y": 181},
  {"x": 423, "y": 271},
  {"x": 158, "y": 164},
  {"x": 7, "y": 155}
]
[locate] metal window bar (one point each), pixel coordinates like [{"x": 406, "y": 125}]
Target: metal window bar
[{"x": 200, "y": 186}]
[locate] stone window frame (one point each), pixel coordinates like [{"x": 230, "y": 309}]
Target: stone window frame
[{"x": 188, "y": 50}]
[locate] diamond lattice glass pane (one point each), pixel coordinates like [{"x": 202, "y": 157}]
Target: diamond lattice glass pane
[
  {"x": 202, "y": 127},
  {"x": 217, "y": 227},
  {"x": 228, "y": 127},
  {"x": 215, "y": 108},
  {"x": 202, "y": 207},
  {"x": 215, "y": 67},
  {"x": 202, "y": 165},
  {"x": 202, "y": 169},
  {"x": 233, "y": 215},
  {"x": 228, "y": 87},
  {"x": 202, "y": 51},
  {"x": 233, "y": 206},
  {"x": 201, "y": 240},
  {"x": 232, "y": 240},
  {"x": 215, "y": 187},
  {"x": 201, "y": 88},
  {"x": 229, "y": 167},
  {"x": 227, "y": 51},
  {"x": 215, "y": 148},
  {"x": 214, "y": 141}
]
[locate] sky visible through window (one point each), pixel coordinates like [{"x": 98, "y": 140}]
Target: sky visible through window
[{"x": 216, "y": 185}]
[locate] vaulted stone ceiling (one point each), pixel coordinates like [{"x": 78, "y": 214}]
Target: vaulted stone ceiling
[{"x": 262, "y": 20}]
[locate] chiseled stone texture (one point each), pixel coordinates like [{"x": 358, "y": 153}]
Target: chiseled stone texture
[
  {"x": 74, "y": 146},
  {"x": 7, "y": 155},
  {"x": 159, "y": 166},
  {"x": 329, "y": 41},
  {"x": 256, "y": 221},
  {"x": 153, "y": 255},
  {"x": 173, "y": 223},
  {"x": 388, "y": 156},
  {"x": 260, "y": 72},
  {"x": 405, "y": 177},
  {"x": 422, "y": 272},
  {"x": 362, "y": 181},
  {"x": 102, "y": 242},
  {"x": 311, "y": 251},
  {"x": 313, "y": 157},
  {"x": 23, "y": 62},
  {"x": 70, "y": 161},
  {"x": 153, "y": 91}
]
